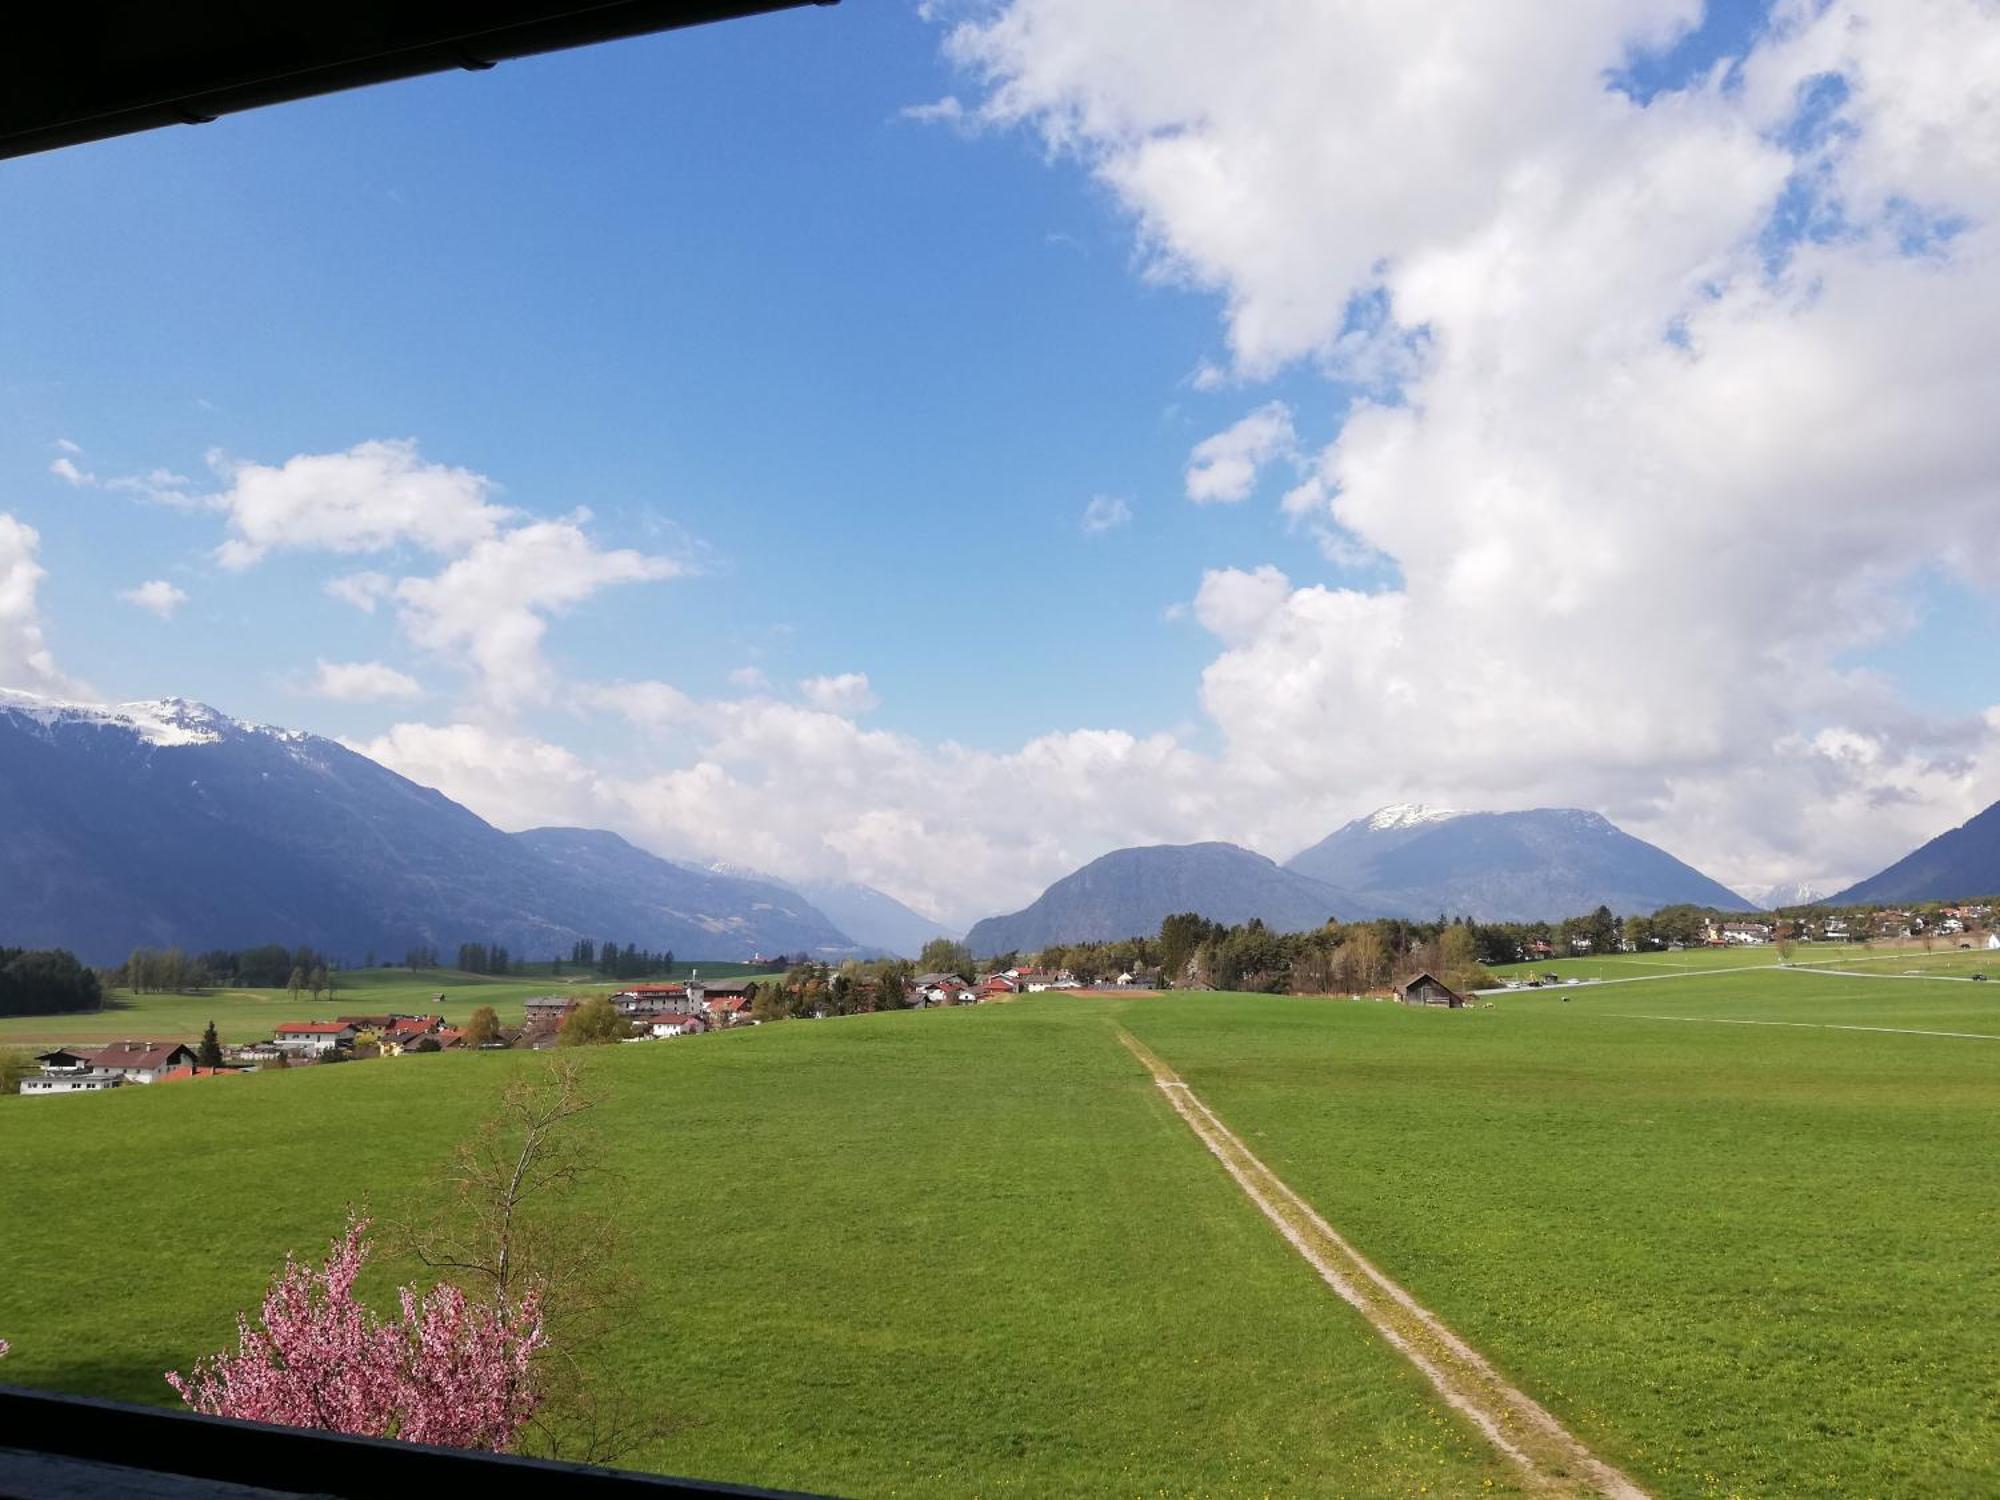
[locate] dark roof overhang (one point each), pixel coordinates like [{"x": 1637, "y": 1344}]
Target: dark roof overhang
[{"x": 94, "y": 68}]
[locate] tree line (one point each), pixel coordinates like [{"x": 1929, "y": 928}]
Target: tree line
[
  {"x": 270, "y": 967},
  {"x": 46, "y": 982}
]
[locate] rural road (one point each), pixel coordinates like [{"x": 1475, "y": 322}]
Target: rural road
[{"x": 1552, "y": 1459}]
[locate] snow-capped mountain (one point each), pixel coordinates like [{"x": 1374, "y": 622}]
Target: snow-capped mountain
[
  {"x": 166, "y": 822},
  {"x": 1415, "y": 861},
  {"x": 1784, "y": 894}
]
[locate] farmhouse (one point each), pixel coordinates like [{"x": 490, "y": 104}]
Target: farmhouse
[
  {"x": 703, "y": 993},
  {"x": 1425, "y": 988},
  {"x": 641, "y": 998},
  {"x": 142, "y": 1062},
  {"x": 667, "y": 1023},
  {"x": 310, "y": 1038},
  {"x": 547, "y": 1008},
  {"x": 71, "y": 1081}
]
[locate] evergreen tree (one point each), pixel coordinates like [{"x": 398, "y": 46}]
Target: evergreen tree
[{"x": 209, "y": 1053}]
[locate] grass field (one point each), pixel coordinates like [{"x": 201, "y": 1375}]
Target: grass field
[
  {"x": 974, "y": 1252},
  {"x": 248, "y": 1015},
  {"x": 957, "y": 1252}
]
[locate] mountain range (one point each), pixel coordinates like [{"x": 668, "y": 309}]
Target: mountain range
[
  {"x": 1539, "y": 866},
  {"x": 158, "y": 823},
  {"x": 1129, "y": 892},
  {"x": 1960, "y": 863}
]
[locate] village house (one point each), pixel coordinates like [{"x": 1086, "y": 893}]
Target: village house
[
  {"x": 70, "y": 1072},
  {"x": 312, "y": 1038},
  {"x": 728, "y": 1010},
  {"x": 668, "y": 1023},
  {"x": 940, "y": 989},
  {"x": 642, "y": 998},
  {"x": 141, "y": 1062},
  {"x": 1139, "y": 979},
  {"x": 1425, "y": 988},
  {"x": 994, "y": 985},
  {"x": 703, "y": 993},
  {"x": 546, "y": 1009},
  {"x": 257, "y": 1053}
]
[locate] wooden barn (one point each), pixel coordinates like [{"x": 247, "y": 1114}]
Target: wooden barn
[{"x": 1425, "y": 988}]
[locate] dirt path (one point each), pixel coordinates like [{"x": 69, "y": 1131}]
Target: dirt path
[{"x": 1552, "y": 1460}]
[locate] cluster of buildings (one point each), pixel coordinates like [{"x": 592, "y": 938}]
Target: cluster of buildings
[
  {"x": 655, "y": 1010},
  {"x": 92, "y": 1070}
]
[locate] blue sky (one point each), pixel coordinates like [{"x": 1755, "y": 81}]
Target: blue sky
[
  {"x": 1656, "y": 478},
  {"x": 710, "y": 285}
]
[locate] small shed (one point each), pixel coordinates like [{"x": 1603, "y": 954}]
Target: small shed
[{"x": 1425, "y": 988}]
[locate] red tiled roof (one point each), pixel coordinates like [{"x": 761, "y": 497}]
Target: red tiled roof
[{"x": 175, "y": 1075}]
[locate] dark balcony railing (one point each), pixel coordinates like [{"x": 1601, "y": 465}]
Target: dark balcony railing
[{"x": 62, "y": 1446}]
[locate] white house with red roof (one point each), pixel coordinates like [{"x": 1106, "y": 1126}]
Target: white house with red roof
[{"x": 140, "y": 1062}]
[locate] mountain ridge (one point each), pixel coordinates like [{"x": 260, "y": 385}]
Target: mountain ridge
[
  {"x": 166, "y": 822},
  {"x": 1129, "y": 892},
  {"x": 1958, "y": 864}
]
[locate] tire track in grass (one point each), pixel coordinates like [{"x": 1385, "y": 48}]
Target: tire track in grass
[{"x": 1552, "y": 1459}]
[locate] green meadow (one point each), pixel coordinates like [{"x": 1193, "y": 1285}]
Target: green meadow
[
  {"x": 248, "y": 1015},
  {"x": 974, "y": 1251}
]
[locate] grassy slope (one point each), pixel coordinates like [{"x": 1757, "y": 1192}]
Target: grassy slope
[
  {"x": 1742, "y": 1260},
  {"x": 953, "y": 1252}
]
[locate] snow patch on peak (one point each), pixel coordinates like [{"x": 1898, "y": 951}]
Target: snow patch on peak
[
  {"x": 157, "y": 721},
  {"x": 1409, "y": 815}
]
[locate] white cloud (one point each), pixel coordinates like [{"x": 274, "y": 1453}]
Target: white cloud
[
  {"x": 65, "y": 469},
  {"x": 1105, "y": 513},
  {"x": 374, "y": 496},
  {"x": 1224, "y": 468},
  {"x": 946, "y": 111},
  {"x": 750, "y": 679},
  {"x": 157, "y": 595},
  {"x": 70, "y": 446},
  {"x": 1642, "y": 475},
  {"x": 489, "y": 610},
  {"x": 362, "y": 682},
  {"x": 362, "y": 590},
  {"x": 846, "y": 694},
  {"x": 25, "y": 658}
]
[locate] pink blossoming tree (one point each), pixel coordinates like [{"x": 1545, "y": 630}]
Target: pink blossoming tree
[{"x": 450, "y": 1372}]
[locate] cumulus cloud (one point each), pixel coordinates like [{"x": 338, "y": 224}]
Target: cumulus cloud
[
  {"x": 1224, "y": 468},
  {"x": 372, "y": 497},
  {"x": 1105, "y": 513},
  {"x": 64, "y": 468},
  {"x": 812, "y": 795},
  {"x": 25, "y": 658},
  {"x": 847, "y": 693},
  {"x": 156, "y": 595},
  {"x": 486, "y": 610},
  {"x": 490, "y": 609},
  {"x": 362, "y": 682},
  {"x": 1668, "y": 402}
]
